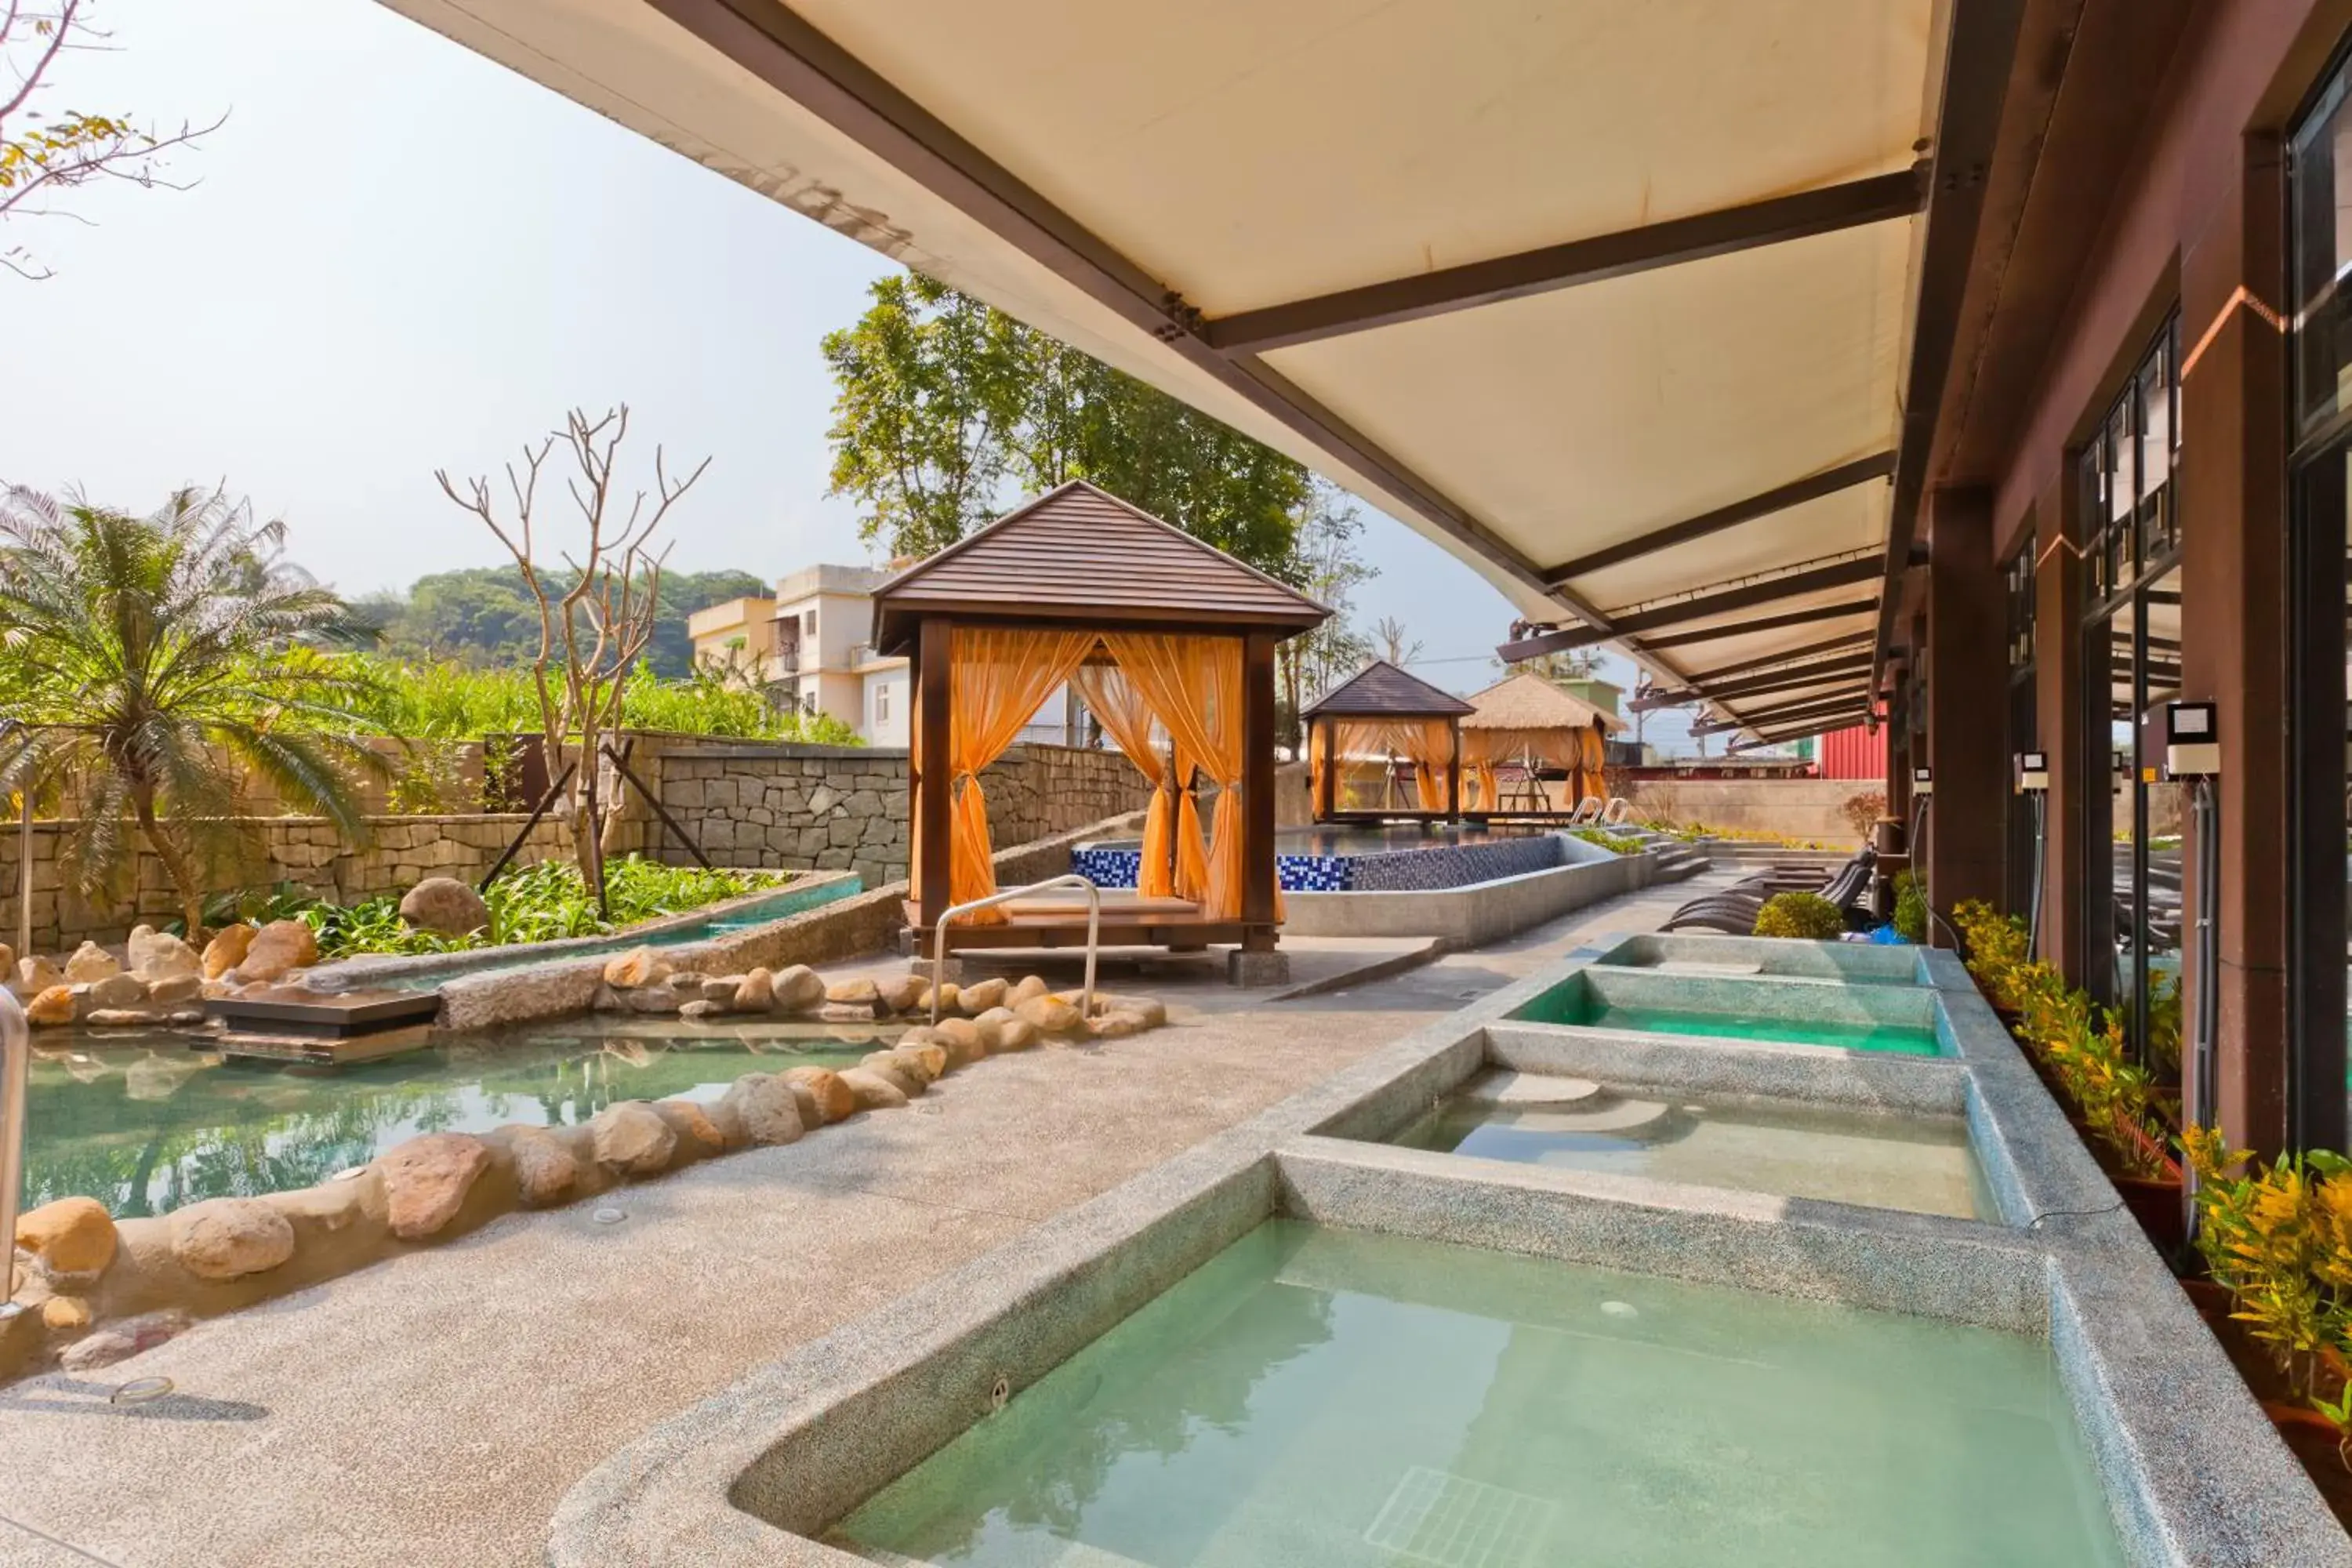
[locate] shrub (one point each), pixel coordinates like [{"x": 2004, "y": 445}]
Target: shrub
[
  {"x": 1615, "y": 843},
  {"x": 1808, "y": 917},
  {"x": 544, "y": 902},
  {"x": 1910, "y": 908},
  {"x": 1861, "y": 813}
]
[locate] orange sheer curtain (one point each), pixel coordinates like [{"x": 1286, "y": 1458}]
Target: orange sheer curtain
[
  {"x": 1194, "y": 684},
  {"x": 1429, "y": 744},
  {"x": 1002, "y": 676},
  {"x": 1127, "y": 718},
  {"x": 1318, "y": 764},
  {"x": 1477, "y": 770},
  {"x": 1191, "y": 852}
]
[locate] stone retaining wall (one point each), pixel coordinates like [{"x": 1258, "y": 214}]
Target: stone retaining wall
[
  {"x": 825, "y": 807},
  {"x": 1801, "y": 808},
  {"x": 306, "y": 852}
]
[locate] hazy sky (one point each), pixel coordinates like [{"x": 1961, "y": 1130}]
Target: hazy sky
[{"x": 400, "y": 257}]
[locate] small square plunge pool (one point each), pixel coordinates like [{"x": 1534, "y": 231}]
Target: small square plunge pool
[
  {"x": 1896, "y": 1019},
  {"x": 1319, "y": 1398}
]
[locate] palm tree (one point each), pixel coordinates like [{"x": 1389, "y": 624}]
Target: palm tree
[{"x": 155, "y": 665}]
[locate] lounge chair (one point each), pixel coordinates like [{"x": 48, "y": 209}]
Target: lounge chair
[{"x": 1732, "y": 912}]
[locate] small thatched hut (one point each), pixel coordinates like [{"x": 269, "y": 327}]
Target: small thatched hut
[{"x": 1524, "y": 720}]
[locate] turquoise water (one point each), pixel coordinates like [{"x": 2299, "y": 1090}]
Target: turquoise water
[
  {"x": 1790, "y": 1150},
  {"x": 1321, "y": 1399},
  {"x": 147, "y": 1125},
  {"x": 1575, "y": 1004}
]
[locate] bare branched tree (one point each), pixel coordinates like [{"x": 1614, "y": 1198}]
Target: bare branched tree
[
  {"x": 1395, "y": 647},
  {"x": 41, "y": 159},
  {"x": 595, "y": 610}
]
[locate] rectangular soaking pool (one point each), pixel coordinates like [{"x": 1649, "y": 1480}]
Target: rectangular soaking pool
[
  {"x": 1731, "y": 957},
  {"x": 1314, "y": 1398},
  {"x": 1898, "y": 1019},
  {"x": 1787, "y": 1148}
]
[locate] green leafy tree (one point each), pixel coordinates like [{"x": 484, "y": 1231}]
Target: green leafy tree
[
  {"x": 43, "y": 157},
  {"x": 1326, "y": 565},
  {"x": 152, "y": 672},
  {"x": 485, "y": 616},
  {"x": 939, "y": 398},
  {"x": 928, "y": 384}
]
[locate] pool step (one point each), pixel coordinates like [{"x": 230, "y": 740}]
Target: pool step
[
  {"x": 295, "y": 1010},
  {"x": 322, "y": 1050}
]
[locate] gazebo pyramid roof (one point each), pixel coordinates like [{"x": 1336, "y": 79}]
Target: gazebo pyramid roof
[
  {"x": 1382, "y": 690},
  {"x": 1079, "y": 555},
  {"x": 1527, "y": 701}
]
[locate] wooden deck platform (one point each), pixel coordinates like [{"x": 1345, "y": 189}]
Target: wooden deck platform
[{"x": 1059, "y": 920}]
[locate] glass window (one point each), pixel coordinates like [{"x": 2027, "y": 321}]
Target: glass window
[{"x": 2322, "y": 259}]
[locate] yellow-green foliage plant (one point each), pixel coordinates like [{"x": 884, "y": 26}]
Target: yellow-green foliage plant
[
  {"x": 2081, "y": 1045},
  {"x": 2278, "y": 1238},
  {"x": 1808, "y": 917}
]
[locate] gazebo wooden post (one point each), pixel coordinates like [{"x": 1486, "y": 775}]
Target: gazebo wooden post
[
  {"x": 1327, "y": 786},
  {"x": 1257, "y": 793},
  {"x": 934, "y": 784},
  {"x": 1454, "y": 775}
]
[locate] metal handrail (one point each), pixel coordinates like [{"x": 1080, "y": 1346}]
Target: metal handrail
[
  {"x": 15, "y": 1070},
  {"x": 1006, "y": 895}
]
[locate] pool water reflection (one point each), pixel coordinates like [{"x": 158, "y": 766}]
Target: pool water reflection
[{"x": 145, "y": 1125}]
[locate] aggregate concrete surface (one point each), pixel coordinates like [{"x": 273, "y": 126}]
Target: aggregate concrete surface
[{"x": 432, "y": 1410}]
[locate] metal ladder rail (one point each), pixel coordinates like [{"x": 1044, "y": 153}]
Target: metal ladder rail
[{"x": 1006, "y": 895}]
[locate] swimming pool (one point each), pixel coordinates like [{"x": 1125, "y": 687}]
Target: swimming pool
[
  {"x": 1319, "y": 1398},
  {"x": 1884, "y": 1018},
  {"x": 1377, "y": 859},
  {"x": 145, "y": 1125}
]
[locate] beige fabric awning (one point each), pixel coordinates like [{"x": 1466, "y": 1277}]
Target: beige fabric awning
[{"x": 1548, "y": 281}]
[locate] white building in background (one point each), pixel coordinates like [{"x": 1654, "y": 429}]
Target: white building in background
[{"x": 807, "y": 647}]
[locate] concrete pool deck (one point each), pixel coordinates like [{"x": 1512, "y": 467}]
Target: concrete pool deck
[{"x": 434, "y": 1410}]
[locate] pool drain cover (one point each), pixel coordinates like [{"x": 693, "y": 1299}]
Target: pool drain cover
[
  {"x": 142, "y": 1391},
  {"x": 1434, "y": 1517}
]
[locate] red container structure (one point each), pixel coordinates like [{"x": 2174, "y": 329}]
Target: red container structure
[{"x": 1855, "y": 754}]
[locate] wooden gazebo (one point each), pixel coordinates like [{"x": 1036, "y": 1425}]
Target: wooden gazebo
[
  {"x": 1526, "y": 722},
  {"x": 1172, "y": 643},
  {"x": 1392, "y": 713}
]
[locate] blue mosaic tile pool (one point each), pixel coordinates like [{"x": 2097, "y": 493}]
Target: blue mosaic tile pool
[{"x": 1115, "y": 864}]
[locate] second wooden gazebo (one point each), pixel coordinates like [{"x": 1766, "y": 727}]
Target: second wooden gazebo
[
  {"x": 1172, "y": 644},
  {"x": 1389, "y": 713}
]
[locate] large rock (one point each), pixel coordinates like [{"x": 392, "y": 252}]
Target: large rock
[
  {"x": 425, "y": 1180},
  {"x": 960, "y": 1038},
  {"x": 770, "y": 1110},
  {"x": 902, "y": 1075},
  {"x": 1115, "y": 1025},
  {"x": 990, "y": 1026},
  {"x": 812, "y": 1113},
  {"x": 693, "y": 1126},
  {"x": 1049, "y": 1015},
  {"x": 873, "y": 1091},
  {"x": 900, "y": 996},
  {"x": 1031, "y": 987},
  {"x": 755, "y": 993},
  {"x": 117, "y": 990},
  {"x": 446, "y": 905},
  {"x": 834, "y": 1098},
  {"x": 121, "y": 1342},
  {"x": 638, "y": 966},
  {"x": 173, "y": 988},
  {"x": 797, "y": 989},
  {"x": 702, "y": 1010},
  {"x": 66, "y": 1314},
  {"x": 546, "y": 1171},
  {"x": 650, "y": 999},
  {"x": 227, "y": 1238},
  {"x": 861, "y": 994},
  {"x": 227, "y": 950},
  {"x": 90, "y": 964},
  {"x": 278, "y": 948},
  {"x": 52, "y": 1007},
  {"x": 981, "y": 996},
  {"x": 943, "y": 995},
  {"x": 34, "y": 975},
  {"x": 1016, "y": 1034},
  {"x": 72, "y": 1236},
  {"x": 629, "y": 1137},
  {"x": 155, "y": 955},
  {"x": 931, "y": 1055}
]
